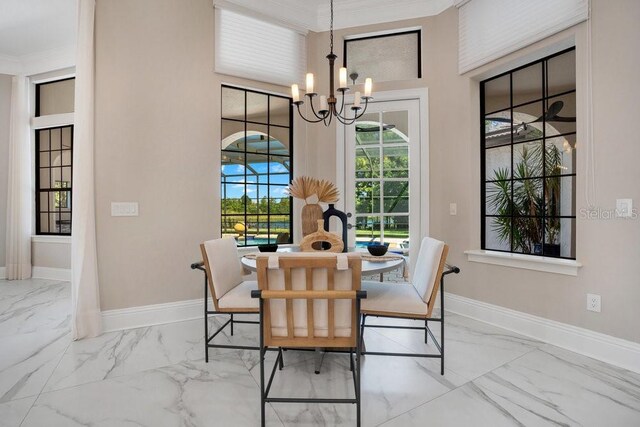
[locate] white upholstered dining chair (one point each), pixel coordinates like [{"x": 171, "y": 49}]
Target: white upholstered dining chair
[
  {"x": 309, "y": 300},
  {"x": 230, "y": 292},
  {"x": 415, "y": 300}
]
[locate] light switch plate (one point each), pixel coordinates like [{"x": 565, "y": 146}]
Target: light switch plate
[
  {"x": 453, "y": 208},
  {"x": 124, "y": 208}
]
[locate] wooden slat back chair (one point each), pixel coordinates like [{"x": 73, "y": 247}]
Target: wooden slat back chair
[
  {"x": 309, "y": 300},
  {"x": 415, "y": 300},
  {"x": 231, "y": 294}
]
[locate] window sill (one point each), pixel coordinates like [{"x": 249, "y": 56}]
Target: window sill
[
  {"x": 51, "y": 239},
  {"x": 528, "y": 262}
]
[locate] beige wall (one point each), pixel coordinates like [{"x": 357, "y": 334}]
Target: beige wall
[
  {"x": 609, "y": 249},
  {"x": 157, "y": 130},
  {"x": 5, "y": 112},
  {"x": 51, "y": 255},
  {"x": 158, "y": 143}
]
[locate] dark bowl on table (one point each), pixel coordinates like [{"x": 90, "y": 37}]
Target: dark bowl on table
[
  {"x": 377, "y": 250},
  {"x": 268, "y": 248}
]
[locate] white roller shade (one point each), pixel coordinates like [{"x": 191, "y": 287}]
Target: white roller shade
[
  {"x": 489, "y": 29},
  {"x": 254, "y": 49}
]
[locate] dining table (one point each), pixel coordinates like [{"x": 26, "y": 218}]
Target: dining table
[{"x": 371, "y": 264}]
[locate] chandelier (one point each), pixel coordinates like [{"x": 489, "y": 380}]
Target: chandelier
[{"x": 328, "y": 105}]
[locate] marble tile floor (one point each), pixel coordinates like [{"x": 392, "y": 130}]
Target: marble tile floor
[{"x": 156, "y": 376}]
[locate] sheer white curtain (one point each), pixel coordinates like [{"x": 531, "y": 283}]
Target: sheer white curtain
[
  {"x": 18, "y": 258},
  {"x": 85, "y": 295}
]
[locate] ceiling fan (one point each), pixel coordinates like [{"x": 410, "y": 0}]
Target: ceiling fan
[
  {"x": 551, "y": 115},
  {"x": 373, "y": 128}
]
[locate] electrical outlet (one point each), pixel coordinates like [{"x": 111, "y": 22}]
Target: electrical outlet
[
  {"x": 453, "y": 208},
  {"x": 594, "y": 303}
]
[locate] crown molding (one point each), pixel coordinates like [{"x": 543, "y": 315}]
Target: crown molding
[
  {"x": 40, "y": 62},
  {"x": 49, "y": 60},
  {"x": 314, "y": 16},
  {"x": 355, "y": 13}
]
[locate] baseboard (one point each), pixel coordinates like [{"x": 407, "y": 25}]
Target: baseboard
[
  {"x": 3, "y": 273},
  {"x": 148, "y": 315},
  {"x": 616, "y": 351},
  {"x": 51, "y": 273}
]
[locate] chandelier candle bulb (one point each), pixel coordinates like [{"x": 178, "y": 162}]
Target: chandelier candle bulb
[
  {"x": 367, "y": 86},
  {"x": 356, "y": 100},
  {"x": 323, "y": 103},
  {"x": 333, "y": 105},
  {"x": 343, "y": 78},
  {"x": 309, "y": 83}
]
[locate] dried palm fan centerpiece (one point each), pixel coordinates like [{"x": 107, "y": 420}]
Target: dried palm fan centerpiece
[{"x": 304, "y": 188}]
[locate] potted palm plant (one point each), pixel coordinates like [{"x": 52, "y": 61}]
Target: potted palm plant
[{"x": 532, "y": 198}]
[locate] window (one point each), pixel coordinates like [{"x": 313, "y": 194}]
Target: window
[
  {"x": 528, "y": 158},
  {"x": 54, "y": 148},
  {"x": 54, "y": 156},
  {"x": 382, "y": 177},
  {"x": 244, "y": 45},
  {"x": 257, "y": 147},
  {"x": 384, "y": 57}
]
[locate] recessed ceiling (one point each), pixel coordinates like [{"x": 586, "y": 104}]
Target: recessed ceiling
[
  {"x": 33, "y": 29},
  {"x": 30, "y": 27},
  {"x": 314, "y": 14}
]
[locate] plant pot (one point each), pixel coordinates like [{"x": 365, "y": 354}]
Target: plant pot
[
  {"x": 547, "y": 249},
  {"x": 310, "y": 215},
  {"x": 551, "y": 250}
]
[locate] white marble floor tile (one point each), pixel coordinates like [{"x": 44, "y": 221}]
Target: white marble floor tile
[
  {"x": 34, "y": 305},
  {"x": 156, "y": 376},
  {"x": 390, "y": 386},
  {"x": 472, "y": 348},
  {"x": 27, "y": 361},
  {"x": 549, "y": 386},
  {"x": 187, "y": 394},
  {"x": 125, "y": 352},
  {"x": 12, "y": 413}
]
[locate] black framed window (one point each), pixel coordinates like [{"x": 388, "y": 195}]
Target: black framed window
[
  {"x": 55, "y": 97},
  {"x": 528, "y": 138},
  {"x": 256, "y": 166},
  {"x": 384, "y": 57},
  {"x": 54, "y": 178}
]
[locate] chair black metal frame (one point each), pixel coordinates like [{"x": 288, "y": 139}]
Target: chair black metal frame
[
  {"x": 354, "y": 366},
  {"x": 230, "y": 322},
  {"x": 427, "y": 331}
]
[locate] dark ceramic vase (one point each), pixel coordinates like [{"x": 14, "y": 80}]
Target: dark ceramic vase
[{"x": 332, "y": 211}]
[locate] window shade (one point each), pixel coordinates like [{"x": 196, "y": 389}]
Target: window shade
[
  {"x": 489, "y": 29},
  {"x": 258, "y": 50}
]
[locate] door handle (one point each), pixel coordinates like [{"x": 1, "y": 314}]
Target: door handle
[{"x": 349, "y": 226}]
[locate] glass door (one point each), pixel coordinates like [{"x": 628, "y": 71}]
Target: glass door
[{"x": 382, "y": 175}]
